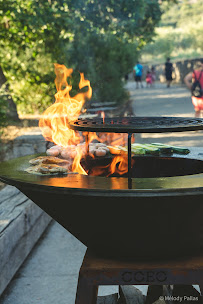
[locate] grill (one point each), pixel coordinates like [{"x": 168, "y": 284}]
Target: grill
[
  {"x": 141, "y": 216},
  {"x": 138, "y": 124}
]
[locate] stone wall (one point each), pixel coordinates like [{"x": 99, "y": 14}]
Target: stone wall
[{"x": 27, "y": 144}]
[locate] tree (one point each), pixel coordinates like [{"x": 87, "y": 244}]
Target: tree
[
  {"x": 100, "y": 38},
  {"x": 108, "y": 38},
  {"x": 7, "y": 105},
  {"x": 33, "y": 36}
]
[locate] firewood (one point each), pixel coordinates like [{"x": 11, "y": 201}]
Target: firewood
[
  {"x": 131, "y": 295},
  {"x": 167, "y": 293},
  {"x": 110, "y": 299},
  {"x": 153, "y": 294},
  {"x": 188, "y": 293},
  {"x": 160, "y": 302}
]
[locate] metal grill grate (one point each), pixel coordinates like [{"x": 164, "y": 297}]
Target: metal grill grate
[
  {"x": 132, "y": 125},
  {"x": 138, "y": 124}
]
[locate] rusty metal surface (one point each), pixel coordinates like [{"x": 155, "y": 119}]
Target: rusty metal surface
[{"x": 113, "y": 272}]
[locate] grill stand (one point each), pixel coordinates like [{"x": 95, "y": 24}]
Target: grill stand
[
  {"x": 129, "y": 161},
  {"x": 97, "y": 271},
  {"x": 87, "y": 143}
]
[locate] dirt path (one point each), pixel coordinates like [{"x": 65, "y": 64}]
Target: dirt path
[{"x": 162, "y": 101}]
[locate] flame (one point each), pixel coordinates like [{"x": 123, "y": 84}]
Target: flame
[
  {"x": 103, "y": 116},
  {"x": 119, "y": 165},
  {"x": 76, "y": 166},
  {"x": 54, "y": 121}
]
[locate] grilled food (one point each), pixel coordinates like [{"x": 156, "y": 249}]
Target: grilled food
[
  {"x": 47, "y": 169},
  {"x": 48, "y": 160},
  {"x": 149, "y": 149},
  {"x": 48, "y": 165}
]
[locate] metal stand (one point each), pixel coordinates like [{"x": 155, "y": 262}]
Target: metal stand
[
  {"x": 129, "y": 161},
  {"x": 98, "y": 271},
  {"x": 87, "y": 142}
]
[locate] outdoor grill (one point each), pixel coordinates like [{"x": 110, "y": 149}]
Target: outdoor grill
[{"x": 154, "y": 211}]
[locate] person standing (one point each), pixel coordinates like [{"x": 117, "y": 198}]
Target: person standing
[
  {"x": 168, "y": 72},
  {"x": 194, "y": 82},
  {"x": 149, "y": 79},
  {"x": 153, "y": 73},
  {"x": 137, "y": 73}
]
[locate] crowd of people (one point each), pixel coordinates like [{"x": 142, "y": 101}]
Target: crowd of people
[
  {"x": 150, "y": 77},
  {"x": 193, "y": 81},
  {"x": 138, "y": 73}
]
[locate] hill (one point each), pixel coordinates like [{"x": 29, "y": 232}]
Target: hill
[{"x": 179, "y": 33}]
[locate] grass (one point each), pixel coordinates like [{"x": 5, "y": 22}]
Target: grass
[{"x": 178, "y": 43}]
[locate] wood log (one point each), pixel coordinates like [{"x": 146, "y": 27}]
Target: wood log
[
  {"x": 188, "y": 293},
  {"x": 167, "y": 293},
  {"x": 160, "y": 302},
  {"x": 110, "y": 299},
  {"x": 131, "y": 295},
  {"x": 153, "y": 294}
]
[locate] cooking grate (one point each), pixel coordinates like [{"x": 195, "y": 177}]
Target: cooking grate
[
  {"x": 132, "y": 125},
  {"x": 137, "y": 124}
]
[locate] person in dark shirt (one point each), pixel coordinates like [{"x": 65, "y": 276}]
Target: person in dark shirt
[{"x": 168, "y": 72}]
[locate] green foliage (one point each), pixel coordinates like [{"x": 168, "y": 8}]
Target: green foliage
[
  {"x": 100, "y": 38},
  {"x": 107, "y": 40},
  {"x": 179, "y": 34},
  {"x": 3, "y": 109},
  {"x": 181, "y": 13},
  {"x": 31, "y": 40}
]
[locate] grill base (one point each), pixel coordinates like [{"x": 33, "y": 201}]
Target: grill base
[
  {"x": 136, "y": 228},
  {"x": 158, "y": 218}
]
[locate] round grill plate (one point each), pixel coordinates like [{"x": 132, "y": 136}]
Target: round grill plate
[{"x": 137, "y": 124}]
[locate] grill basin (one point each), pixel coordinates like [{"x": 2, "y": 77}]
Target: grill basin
[
  {"x": 160, "y": 217},
  {"x": 132, "y": 125}
]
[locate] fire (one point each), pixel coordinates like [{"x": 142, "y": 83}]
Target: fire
[
  {"x": 103, "y": 116},
  {"x": 76, "y": 166},
  {"x": 119, "y": 165},
  {"x": 73, "y": 145},
  {"x": 54, "y": 121}
]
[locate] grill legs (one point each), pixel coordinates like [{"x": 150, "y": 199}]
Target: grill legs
[
  {"x": 97, "y": 271},
  {"x": 129, "y": 161},
  {"x": 86, "y": 293},
  {"x": 201, "y": 289}
]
